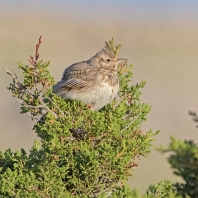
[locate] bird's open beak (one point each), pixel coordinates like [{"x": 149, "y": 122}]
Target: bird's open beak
[
  {"x": 119, "y": 61},
  {"x": 122, "y": 61}
]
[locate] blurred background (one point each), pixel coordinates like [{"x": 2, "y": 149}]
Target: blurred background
[{"x": 159, "y": 37}]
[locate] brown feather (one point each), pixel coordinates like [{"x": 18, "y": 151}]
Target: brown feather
[{"x": 93, "y": 82}]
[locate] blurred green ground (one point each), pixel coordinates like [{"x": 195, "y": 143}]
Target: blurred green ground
[{"x": 164, "y": 53}]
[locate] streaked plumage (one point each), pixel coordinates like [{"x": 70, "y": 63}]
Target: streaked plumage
[{"x": 94, "y": 82}]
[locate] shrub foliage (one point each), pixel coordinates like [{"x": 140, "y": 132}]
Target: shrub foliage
[
  {"x": 184, "y": 161},
  {"x": 82, "y": 153}
]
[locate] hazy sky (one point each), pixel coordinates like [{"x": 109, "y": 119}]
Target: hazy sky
[{"x": 139, "y": 8}]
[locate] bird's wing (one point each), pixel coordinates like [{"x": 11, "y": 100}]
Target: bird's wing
[{"x": 76, "y": 76}]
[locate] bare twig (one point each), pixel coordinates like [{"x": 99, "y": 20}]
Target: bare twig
[
  {"x": 24, "y": 89},
  {"x": 33, "y": 117},
  {"x": 31, "y": 60},
  {"x": 55, "y": 105},
  {"x": 131, "y": 122},
  {"x": 27, "y": 95},
  {"x": 15, "y": 78},
  {"x": 28, "y": 106},
  {"x": 128, "y": 125},
  {"x": 46, "y": 107}
]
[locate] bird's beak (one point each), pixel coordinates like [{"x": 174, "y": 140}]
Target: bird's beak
[
  {"x": 119, "y": 61},
  {"x": 122, "y": 61}
]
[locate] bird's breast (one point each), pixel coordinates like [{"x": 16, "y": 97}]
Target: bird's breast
[
  {"x": 108, "y": 76},
  {"x": 108, "y": 85}
]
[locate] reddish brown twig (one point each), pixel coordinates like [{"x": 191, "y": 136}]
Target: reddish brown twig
[
  {"x": 37, "y": 47},
  {"x": 32, "y": 60},
  {"x": 31, "y": 97}
]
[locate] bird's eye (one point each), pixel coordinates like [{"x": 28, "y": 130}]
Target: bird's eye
[{"x": 108, "y": 60}]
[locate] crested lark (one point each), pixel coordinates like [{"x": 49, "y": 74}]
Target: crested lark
[{"x": 94, "y": 82}]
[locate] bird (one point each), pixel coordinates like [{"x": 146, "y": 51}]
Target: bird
[{"x": 94, "y": 82}]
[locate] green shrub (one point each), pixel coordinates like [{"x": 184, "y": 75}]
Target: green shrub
[
  {"x": 184, "y": 161},
  {"x": 82, "y": 153}
]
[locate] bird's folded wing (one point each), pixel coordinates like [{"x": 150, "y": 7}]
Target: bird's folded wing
[
  {"x": 79, "y": 69},
  {"x": 75, "y": 77},
  {"x": 77, "y": 83}
]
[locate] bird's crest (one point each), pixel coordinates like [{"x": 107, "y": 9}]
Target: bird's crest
[{"x": 107, "y": 50}]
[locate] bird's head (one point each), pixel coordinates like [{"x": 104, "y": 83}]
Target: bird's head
[{"x": 107, "y": 59}]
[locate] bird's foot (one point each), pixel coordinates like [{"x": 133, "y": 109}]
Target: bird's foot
[{"x": 90, "y": 106}]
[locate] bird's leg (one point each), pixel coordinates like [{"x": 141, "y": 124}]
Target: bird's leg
[
  {"x": 90, "y": 106},
  {"x": 117, "y": 97}
]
